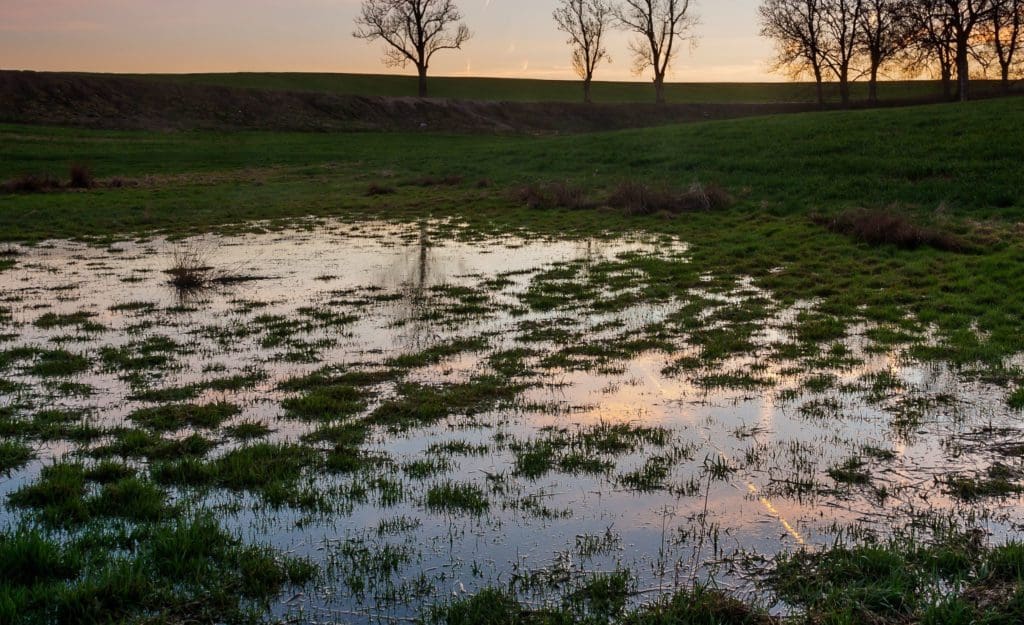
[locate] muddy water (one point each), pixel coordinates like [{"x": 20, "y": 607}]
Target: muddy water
[{"x": 748, "y": 473}]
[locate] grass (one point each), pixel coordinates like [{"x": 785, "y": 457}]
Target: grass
[
  {"x": 59, "y": 363},
  {"x": 950, "y": 580},
  {"x": 422, "y": 405},
  {"x": 153, "y": 575},
  {"x": 14, "y": 455},
  {"x": 174, "y": 417},
  {"x": 456, "y": 497},
  {"x": 819, "y": 162}
]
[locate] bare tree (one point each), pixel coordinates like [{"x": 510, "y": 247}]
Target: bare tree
[
  {"x": 1006, "y": 30},
  {"x": 933, "y": 45},
  {"x": 658, "y": 26},
  {"x": 413, "y": 31},
  {"x": 840, "y": 22},
  {"x": 585, "y": 21},
  {"x": 964, "y": 18},
  {"x": 796, "y": 28},
  {"x": 884, "y": 34}
]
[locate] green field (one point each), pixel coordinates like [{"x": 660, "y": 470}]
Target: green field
[
  {"x": 122, "y": 530},
  {"x": 522, "y": 90},
  {"x": 780, "y": 170}
]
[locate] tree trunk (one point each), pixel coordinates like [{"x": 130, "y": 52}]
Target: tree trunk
[
  {"x": 1004, "y": 79},
  {"x": 844, "y": 91},
  {"x": 963, "y": 68},
  {"x": 423, "y": 82},
  {"x": 586, "y": 90},
  {"x": 659, "y": 89},
  {"x": 873, "y": 85},
  {"x": 947, "y": 82},
  {"x": 819, "y": 87}
]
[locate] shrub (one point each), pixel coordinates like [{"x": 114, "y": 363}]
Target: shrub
[
  {"x": 636, "y": 198},
  {"x": 553, "y": 195},
  {"x": 887, "y": 227}
]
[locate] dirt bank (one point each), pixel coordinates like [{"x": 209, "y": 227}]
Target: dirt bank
[{"x": 114, "y": 102}]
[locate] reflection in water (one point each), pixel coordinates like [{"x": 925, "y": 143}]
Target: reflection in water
[{"x": 743, "y": 471}]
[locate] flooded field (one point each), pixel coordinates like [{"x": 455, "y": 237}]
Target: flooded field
[{"x": 423, "y": 413}]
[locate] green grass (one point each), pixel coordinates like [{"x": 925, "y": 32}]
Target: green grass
[
  {"x": 174, "y": 417},
  {"x": 962, "y": 158},
  {"x": 152, "y": 575},
  {"x": 456, "y": 497},
  {"x": 949, "y": 580},
  {"x": 780, "y": 169},
  {"x": 545, "y": 90},
  {"x": 14, "y": 455}
]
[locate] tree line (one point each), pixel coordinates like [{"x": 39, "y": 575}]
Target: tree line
[
  {"x": 845, "y": 40},
  {"x": 837, "y": 41}
]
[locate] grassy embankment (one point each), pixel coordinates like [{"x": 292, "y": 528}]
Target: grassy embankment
[
  {"x": 523, "y": 90},
  {"x": 955, "y": 169}
]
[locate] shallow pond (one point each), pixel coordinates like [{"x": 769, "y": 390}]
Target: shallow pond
[{"x": 632, "y": 414}]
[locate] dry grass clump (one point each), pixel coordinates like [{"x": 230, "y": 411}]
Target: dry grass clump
[
  {"x": 888, "y": 227},
  {"x": 637, "y": 198},
  {"x": 189, "y": 269},
  {"x": 438, "y": 181},
  {"x": 375, "y": 190},
  {"x": 80, "y": 177},
  {"x": 554, "y": 195},
  {"x": 120, "y": 182},
  {"x": 31, "y": 183}
]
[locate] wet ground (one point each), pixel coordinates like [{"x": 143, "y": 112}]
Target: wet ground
[{"x": 605, "y": 408}]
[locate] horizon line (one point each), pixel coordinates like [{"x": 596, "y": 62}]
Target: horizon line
[{"x": 458, "y": 77}]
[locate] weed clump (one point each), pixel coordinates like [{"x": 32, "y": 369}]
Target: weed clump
[
  {"x": 554, "y": 195},
  {"x": 80, "y": 177},
  {"x": 885, "y": 227},
  {"x": 189, "y": 271},
  {"x": 636, "y": 198}
]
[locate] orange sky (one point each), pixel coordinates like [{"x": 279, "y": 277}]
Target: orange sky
[{"x": 512, "y": 38}]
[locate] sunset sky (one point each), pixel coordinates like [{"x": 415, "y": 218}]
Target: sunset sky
[{"x": 512, "y": 38}]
